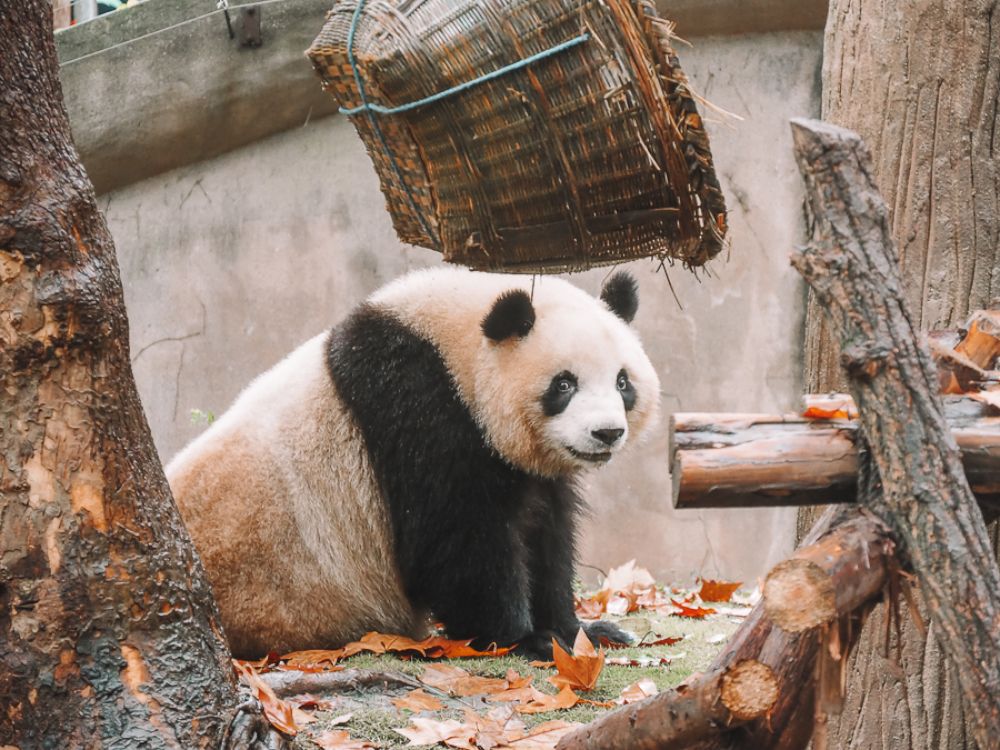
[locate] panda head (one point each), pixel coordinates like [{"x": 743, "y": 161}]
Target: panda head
[{"x": 562, "y": 381}]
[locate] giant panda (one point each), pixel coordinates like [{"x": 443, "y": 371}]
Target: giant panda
[{"x": 420, "y": 460}]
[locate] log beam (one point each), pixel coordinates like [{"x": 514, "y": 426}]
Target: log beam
[{"x": 760, "y": 460}]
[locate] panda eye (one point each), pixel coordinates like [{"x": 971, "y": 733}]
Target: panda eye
[
  {"x": 623, "y": 383},
  {"x": 563, "y": 385}
]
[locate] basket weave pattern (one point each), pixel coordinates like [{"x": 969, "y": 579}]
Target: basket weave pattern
[{"x": 592, "y": 156}]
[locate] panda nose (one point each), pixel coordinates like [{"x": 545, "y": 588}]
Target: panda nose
[{"x": 608, "y": 436}]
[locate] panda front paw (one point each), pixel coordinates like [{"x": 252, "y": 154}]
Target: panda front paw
[
  {"x": 538, "y": 645},
  {"x": 602, "y": 631}
]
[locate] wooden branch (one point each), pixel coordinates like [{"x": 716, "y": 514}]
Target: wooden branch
[
  {"x": 927, "y": 503},
  {"x": 288, "y": 682},
  {"x": 831, "y": 578},
  {"x": 733, "y": 695},
  {"x": 757, "y": 460}
]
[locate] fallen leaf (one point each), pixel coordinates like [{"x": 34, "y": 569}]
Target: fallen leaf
[
  {"x": 457, "y": 681},
  {"x": 442, "y": 676},
  {"x": 313, "y": 660},
  {"x": 683, "y": 610},
  {"x": 717, "y": 638},
  {"x": 338, "y": 739},
  {"x": 497, "y": 728},
  {"x": 282, "y": 715},
  {"x": 427, "y": 731},
  {"x": 417, "y": 700},
  {"x": 541, "y": 664},
  {"x": 637, "y": 691},
  {"x": 582, "y": 668},
  {"x": 565, "y": 698},
  {"x": 645, "y": 661},
  {"x": 628, "y": 578},
  {"x": 718, "y": 591},
  {"x": 545, "y": 736},
  {"x": 668, "y": 641}
]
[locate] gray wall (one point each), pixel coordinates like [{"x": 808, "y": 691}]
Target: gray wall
[{"x": 230, "y": 261}]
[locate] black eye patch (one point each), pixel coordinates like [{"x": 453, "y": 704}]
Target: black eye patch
[
  {"x": 560, "y": 392},
  {"x": 627, "y": 390}
]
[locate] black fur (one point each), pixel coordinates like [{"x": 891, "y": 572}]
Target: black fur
[
  {"x": 628, "y": 392},
  {"x": 512, "y": 315},
  {"x": 621, "y": 295},
  {"x": 556, "y": 398},
  {"x": 486, "y": 547}
]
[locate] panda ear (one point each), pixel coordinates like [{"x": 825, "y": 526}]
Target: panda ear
[
  {"x": 621, "y": 295},
  {"x": 512, "y": 315}
]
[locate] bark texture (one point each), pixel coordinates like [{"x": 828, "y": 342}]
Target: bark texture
[
  {"x": 109, "y": 635},
  {"x": 733, "y": 695},
  {"x": 920, "y": 82},
  {"x": 926, "y": 501}
]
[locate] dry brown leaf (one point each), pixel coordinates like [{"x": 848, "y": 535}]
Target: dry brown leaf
[
  {"x": 315, "y": 660},
  {"x": 718, "y": 591},
  {"x": 498, "y": 727},
  {"x": 417, "y": 701},
  {"x": 442, "y": 676},
  {"x": 628, "y": 578},
  {"x": 519, "y": 689},
  {"x": 565, "y": 698},
  {"x": 581, "y": 669},
  {"x": 541, "y": 664},
  {"x": 545, "y": 736},
  {"x": 637, "y": 691},
  {"x": 427, "y": 731},
  {"x": 338, "y": 739},
  {"x": 684, "y": 610},
  {"x": 281, "y": 714}
]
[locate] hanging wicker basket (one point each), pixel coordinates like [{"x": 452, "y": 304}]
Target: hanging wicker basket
[{"x": 527, "y": 135}]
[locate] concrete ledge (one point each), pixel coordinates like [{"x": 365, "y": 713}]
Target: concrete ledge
[
  {"x": 143, "y": 101},
  {"x": 188, "y": 93}
]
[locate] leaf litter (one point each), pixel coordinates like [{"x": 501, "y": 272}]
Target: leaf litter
[{"x": 497, "y": 699}]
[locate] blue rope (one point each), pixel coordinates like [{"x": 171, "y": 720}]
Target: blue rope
[
  {"x": 378, "y": 131},
  {"x": 365, "y": 106}
]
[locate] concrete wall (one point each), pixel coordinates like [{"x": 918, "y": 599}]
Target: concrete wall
[{"x": 230, "y": 261}]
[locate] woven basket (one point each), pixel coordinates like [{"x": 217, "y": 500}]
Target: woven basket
[{"x": 591, "y": 155}]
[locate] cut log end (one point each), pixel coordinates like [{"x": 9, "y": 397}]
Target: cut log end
[
  {"x": 799, "y": 595},
  {"x": 749, "y": 690}
]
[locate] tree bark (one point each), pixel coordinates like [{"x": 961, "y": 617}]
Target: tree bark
[
  {"x": 926, "y": 501},
  {"x": 920, "y": 82},
  {"x": 109, "y": 634}
]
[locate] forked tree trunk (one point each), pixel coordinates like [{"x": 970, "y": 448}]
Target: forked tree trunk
[
  {"x": 920, "y": 82},
  {"x": 109, "y": 634}
]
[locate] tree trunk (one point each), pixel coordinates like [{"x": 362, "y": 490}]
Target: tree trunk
[
  {"x": 920, "y": 82},
  {"x": 926, "y": 500},
  {"x": 109, "y": 634}
]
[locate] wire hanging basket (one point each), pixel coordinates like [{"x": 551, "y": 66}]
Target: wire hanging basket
[{"x": 527, "y": 135}]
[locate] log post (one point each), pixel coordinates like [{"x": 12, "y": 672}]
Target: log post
[
  {"x": 727, "y": 697},
  {"x": 830, "y": 579},
  {"x": 927, "y": 503}
]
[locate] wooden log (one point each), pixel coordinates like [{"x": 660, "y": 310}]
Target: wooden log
[
  {"x": 731, "y": 696},
  {"x": 757, "y": 460},
  {"x": 831, "y": 578},
  {"x": 927, "y": 503}
]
